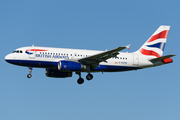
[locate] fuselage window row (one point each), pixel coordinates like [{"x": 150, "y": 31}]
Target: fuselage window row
[{"x": 17, "y": 51}]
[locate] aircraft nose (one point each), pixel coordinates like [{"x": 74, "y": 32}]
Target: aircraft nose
[{"x": 8, "y": 58}]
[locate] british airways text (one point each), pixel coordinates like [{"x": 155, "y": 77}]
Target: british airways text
[{"x": 51, "y": 56}]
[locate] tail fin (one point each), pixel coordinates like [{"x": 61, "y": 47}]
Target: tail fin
[{"x": 154, "y": 46}]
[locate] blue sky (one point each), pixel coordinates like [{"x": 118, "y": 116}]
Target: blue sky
[{"x": 151, "y": 93}]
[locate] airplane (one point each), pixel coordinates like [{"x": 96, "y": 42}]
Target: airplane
[{"x": 61, "y": 63}]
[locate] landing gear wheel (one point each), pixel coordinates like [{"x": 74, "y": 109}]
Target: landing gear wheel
[
  {"x": 80, "y": 81},
  {"x": 29, "y": 75},
  {"x": 89, "y": 76},
  {"x": 30, "y": 71}
]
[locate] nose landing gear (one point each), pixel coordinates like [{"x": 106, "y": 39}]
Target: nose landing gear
[{"x": 30, "y": 71}]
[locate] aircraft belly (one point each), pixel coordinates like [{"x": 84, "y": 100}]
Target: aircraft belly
[
  {"x": 112, "y": 68},
  {"x": 34, "y": 63}
]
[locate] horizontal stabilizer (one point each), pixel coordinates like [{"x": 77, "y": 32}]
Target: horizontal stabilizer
[{"x": 161, "y": 58}]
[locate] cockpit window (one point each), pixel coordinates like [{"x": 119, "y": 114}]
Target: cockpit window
[{"x": 17, "y": 51}]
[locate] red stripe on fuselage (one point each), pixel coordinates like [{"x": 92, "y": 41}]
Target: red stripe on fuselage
[
  {"x": 162, "y": 34},
  {"x": 35, "y": 50},
  {"x": 149, "y": 52}
]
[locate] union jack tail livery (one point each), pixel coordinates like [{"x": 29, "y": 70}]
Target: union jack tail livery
[{"x": 154, "y": 46}]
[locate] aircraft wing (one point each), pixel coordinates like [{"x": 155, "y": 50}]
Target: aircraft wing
[{"x": 94, "y": 60}]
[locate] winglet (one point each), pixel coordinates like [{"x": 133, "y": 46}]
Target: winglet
[{"x": 128, "y": 46}]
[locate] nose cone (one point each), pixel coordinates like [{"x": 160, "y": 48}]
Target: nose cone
[
  {"x": 8, "y": 58},
  {"x": 11, "y": 58}
]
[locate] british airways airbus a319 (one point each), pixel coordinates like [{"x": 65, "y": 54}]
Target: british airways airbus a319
[{"x": 61, "y": 63}]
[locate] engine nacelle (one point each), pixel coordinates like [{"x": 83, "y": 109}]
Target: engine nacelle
[
  {"x": 70, "y": 66},
  {"x": 57, "y": 74}
]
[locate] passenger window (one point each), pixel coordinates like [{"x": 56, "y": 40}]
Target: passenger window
[
  {"x": 21, "y": 51},
  {"x": 17, "y": 51}
]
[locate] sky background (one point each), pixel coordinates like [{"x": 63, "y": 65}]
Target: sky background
[{"x": 148, "y": 94}]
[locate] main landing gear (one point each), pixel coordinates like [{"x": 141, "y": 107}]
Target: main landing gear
[
  {"x": 89, "y": 76},
  {"x": 30, "y": 71},
  {"x": 81, "y": 80}
]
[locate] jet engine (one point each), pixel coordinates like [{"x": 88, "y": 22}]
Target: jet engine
[
  {"x": 65, "y": 65},
  {"x": 57, "y": 74}
]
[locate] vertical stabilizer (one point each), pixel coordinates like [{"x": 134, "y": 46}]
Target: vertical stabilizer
[{"x": 154, "y": 46}]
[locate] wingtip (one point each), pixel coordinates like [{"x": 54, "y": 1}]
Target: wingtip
[
  {"x": 173, "y": 55},
  {"x": 128, "y": 46}
]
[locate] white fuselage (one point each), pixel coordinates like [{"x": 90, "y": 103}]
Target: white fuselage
[{"x": 45, "y": 57}]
